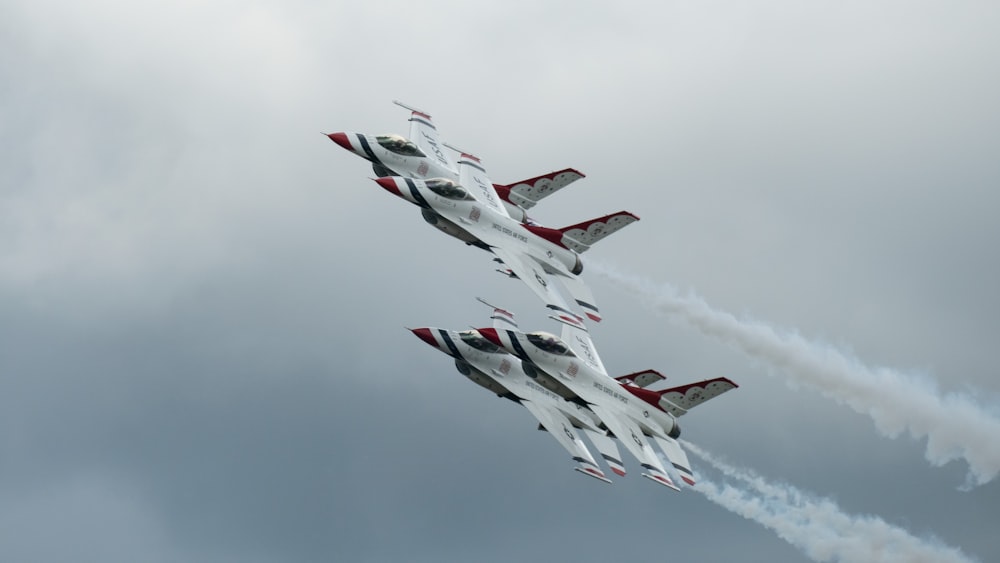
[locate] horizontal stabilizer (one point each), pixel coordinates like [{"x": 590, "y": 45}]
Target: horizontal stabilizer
[
  {"x": 582, "y": 236},
  {"x": 538, "y": 280},
  {"x": 609, "y": 450},
  {"x": 527, "y": 193},
  {"x": 679, "y": 400},
  {"x": 630, "y": 435},
  {"x": 642, "y": 378},
  {"x": 677, "y": 458},
  {"x": 661, "y": 479},
  {"x": 582, "y": 296},
  {"x": 593, "y": 473}
]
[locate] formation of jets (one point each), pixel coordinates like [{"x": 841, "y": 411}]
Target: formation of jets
[{"x": 560, "y": 380}]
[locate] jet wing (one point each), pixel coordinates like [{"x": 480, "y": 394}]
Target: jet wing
[
  {"x": 527, "y": 193},
  {"x": 562, "y": 430},
  {"x": 425, "y": 135},
  {"x": 472, "y": 176},
  {"x": 534, "y": 276},
  {"x": 679, "y": 400},
  {"x": 643, "y": 378},
  {"x": 629, "y": 434}
]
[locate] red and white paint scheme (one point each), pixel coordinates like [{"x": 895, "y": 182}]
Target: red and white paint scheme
[
  {"x": 422, "y": 155},
  {"x": 459, "y": 199},
  {"x": 470, "y": 211},
  {"x": 632, "y": 413},
  {"x": 494, "y": 369}
]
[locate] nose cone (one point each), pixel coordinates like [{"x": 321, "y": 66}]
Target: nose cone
[
  {"x": 390, "y": 184},
  {"x": 342, "y": 140},
  {"x": 426, "y": 335},
  {"x": 491, "y": 335}
]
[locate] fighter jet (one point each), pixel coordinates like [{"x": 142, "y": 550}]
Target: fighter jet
[
  {"x": 470, "y": 210},
  {"x": 423, "y": 156},
  {"x": 630, "y": 412},
  {"x": 491, "y": 367}
]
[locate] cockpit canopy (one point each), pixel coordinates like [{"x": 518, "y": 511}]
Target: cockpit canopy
[
  {"x": 549, "y": 343},
  {"x": 399, "y": 145},
  {"x": 448, "y": 189},
  {"x": 476, "y": 340}
]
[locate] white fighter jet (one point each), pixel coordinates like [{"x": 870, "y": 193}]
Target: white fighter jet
[
  {"x": 629, "y": 411},
  {"x": 493, "y": 368},
  {"x": 470, "y": 210},
  {"x": 423, "y": 156}
]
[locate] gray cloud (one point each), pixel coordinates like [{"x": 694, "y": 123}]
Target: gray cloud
[{"x": 202, "y": 350}]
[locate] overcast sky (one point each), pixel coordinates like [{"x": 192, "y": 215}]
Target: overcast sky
[{"x": 203, "y": 300}]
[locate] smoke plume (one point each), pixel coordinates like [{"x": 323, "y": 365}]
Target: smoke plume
[
  {"x": 817, "y": 526},
  {"x": 955, "y": 426}
]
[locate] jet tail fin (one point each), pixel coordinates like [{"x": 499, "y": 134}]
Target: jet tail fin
[
  {"x": 679, "y": 400},
  {"x": 609, "y": 450},
  {"x": 677, "y": 458},
  {"x": 581, "y": 236}
]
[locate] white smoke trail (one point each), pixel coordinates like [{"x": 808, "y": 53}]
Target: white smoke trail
[
  {"x": 817, "y": 526},
  {"x": 955, "y": 426}
]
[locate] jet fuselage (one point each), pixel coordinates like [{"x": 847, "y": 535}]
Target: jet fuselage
[
  {"x": 549, "y": 354},
  {"x": 394, "y": 155},
  {"x": 459, "y": 214}
]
